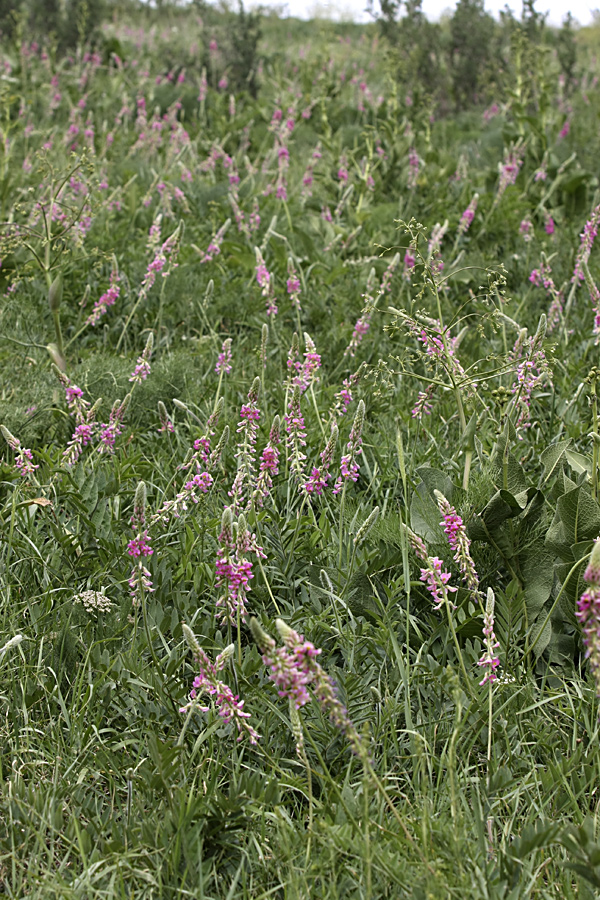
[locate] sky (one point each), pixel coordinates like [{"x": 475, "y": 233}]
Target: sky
[{"x": 355, "y": 9}]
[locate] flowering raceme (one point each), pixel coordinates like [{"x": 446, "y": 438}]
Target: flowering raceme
[
  {"x": 229, "y": 706},
  {"x": 588, "y": 613},
  {"x": 294, "y": 668}
]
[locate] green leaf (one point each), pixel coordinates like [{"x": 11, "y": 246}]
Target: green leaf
[{"x": 551, "y": 457}]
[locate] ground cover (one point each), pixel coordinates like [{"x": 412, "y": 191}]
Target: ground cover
[{"x": 299, "y": 481}]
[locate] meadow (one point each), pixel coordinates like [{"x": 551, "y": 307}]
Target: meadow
[{"x": 299, "y": 497}]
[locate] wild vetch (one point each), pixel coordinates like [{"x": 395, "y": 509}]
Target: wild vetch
[
  {"x": 468, "y": 215},
  {"x": 108, "y": 299},
  {"x": 294, "y": 668},
  {"x": 244, "y": 483},
  {"x": 265, "y": 281},
  {"x": 349, "y": 466},
  {"x": 233, "y": 568},
  {"x": 224, "y": 359},
  {"x": 436, "y": 581},
  {"x": 532, "y": 370},
  {"x": 140, "y": 580},
  {"x": 459, "y": 542},
  {"x": 296, "y": 431},
  {"x": 166, "y": 425},
  {"x": 229, "y": 706},
  {"x": 588, "y": 613},
  {"x": 294, "y": 287},
  {"x": 23, "y": 456},
  {"x": 214, "y": 247},
  {"x": 489, "y": 660},
  {"x": 509, "y": 169},
  {"x": 588, "y": 236},
  {"x": 269, "y": 464},
  {"x": 319, "y": 477},
  {"x": 364, "y": 322},
  {"x": 142, "y": 369}
]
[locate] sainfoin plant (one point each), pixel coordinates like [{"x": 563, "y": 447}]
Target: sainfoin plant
[{"x": 299, "y": 575}]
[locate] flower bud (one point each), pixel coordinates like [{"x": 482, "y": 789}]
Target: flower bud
[
  {"x": 57, "y": 357},
  {"x": 366, "y": 526},
  {"x": 55, "y": 293},
  {"x": 264, "y": 640}
]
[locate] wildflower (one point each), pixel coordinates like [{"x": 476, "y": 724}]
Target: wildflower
[
  {"x": 229, "y": 706},
  {"x": 364, "y": 322},
  {"x": 413, "y": 168},
  {"x": 264, "y": 279},
  {"x": 140, "y": 580},
  {"x": 549, "y": 226},
  {"x": 233, "y": 568},
  {"x": 214, "y": 247},
  {"x": 436, "y": 581},
  {"x": 23, "y": 456},
  {"x": 469, "y": 214},
  {"x": 166, "y": 425},
  {"x": 459, "y": 542},
  {"x": 588, "y": 613},
  {"x": 110, "y": 431},
  {"x": 269, "y": 463},
  {"x": 532, "y": 370},
  {"x": 489, "y": 658},
  {"x": 107, "y": 299},
  {"x": 423, "y": 406},
  {"x": 293, "y": 285},
  {"x": 349, "y": 467},
  {"x": 94, "y": 601},
  {"x": 294, "y": 668},
  {"x": 245, "y": 478},
  {"x": 509, "y": 169},
  {"x": 526, "y": 229},
  {"x": 295, "y": 427},
  {"x": 224, "y": 358},
  {"x": 142, "y": 369},
  {"x": 588, "y": 236},
  {"x": 317, "y": 482},
  {"x": 312, "y": 363}
]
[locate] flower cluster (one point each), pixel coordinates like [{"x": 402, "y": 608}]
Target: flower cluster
[
  {"x": 364, "y": 322},
  {"x": 214, "y": 247},
  {"x": 588, "y": 236},
  {"x": 140, "y": 580},
  {"x": 459, "y": 542},
  {"x": 265, "y": 281},
  {"x": 469, "y": 214},
  {"x": 229, "y": 706},
  {"x": 224, "y": 358},
  {"x": 233, "y": 568},
  {"x": 293, "y": 285},
  {"x": 269, "y": 463},
  {"x": 23, "y": 456},
  {"x": 142, "y": 369},
  {"x": 436, "y": 581},
  {"x": 532, "y": 370},
  {"x": 108, "y": 299},
  {"x": 317, "y": 482},
  {"x": 349, "y": 466},
  {"x": 423, "y": 405},
  {"x": 509, "y": 169},
  {"x": 244, "y": 483},
  {"x": 94, "y": 601},
  {"x": 296, "y": 435},
  {"x": 294, "y": 668},
  {"x": 588, "y": 613},
  {"x": 489, "y": 659}
]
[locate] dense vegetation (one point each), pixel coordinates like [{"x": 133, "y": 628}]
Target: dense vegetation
[{"x": 299, "y": 480}]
